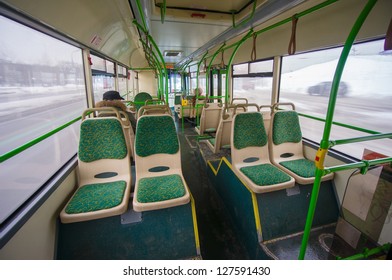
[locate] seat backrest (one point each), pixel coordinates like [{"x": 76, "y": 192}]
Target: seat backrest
[
  {"x": 285, "y": 134},
  {"x": 249, "y": 138},
  {"x": 223, "y": 133},
  {"x": 102, "y": 148},
  {"x": 156, "y": 144},
  {"x": 140, "y": 99},
  {"x": 122, "y": 116},
  {"x": 210, "y": 117},
  {"x": 154, "y": 109}
]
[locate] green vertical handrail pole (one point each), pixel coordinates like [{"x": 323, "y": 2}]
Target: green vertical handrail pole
[
  {"x": 183, "y": 69},
  {"x": 328, "y": 123},
  {"x": 157, "y": 68},
  {"x": 162, "y": 6},
  {"x": 197, "y": 86},
  {"x": 209, "y": 66},
  {"x": 198, "y": 69},
  {"x": 163, "y": 66},
  {"x": 167, "y": 85},
  {"x": 239, "y": 44},
  {"x": 139, "y": 7},
  {"x": 159, "y": 82}
]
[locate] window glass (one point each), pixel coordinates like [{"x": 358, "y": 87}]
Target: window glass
[
  {"x": 261, "y": 66},
  {"x": 101, "y": 84},
  {"x": 256, "y": 89},
  {"x": 122, "y": 86},
  {"x": 256, "y": 86},
  {"x": 98, "y": 63},
  {"x": 121, "y": 71},
  {"x": 223, "y": 82},
  {"x": 202, "y": 82},
  {"x": 109, "y": 67},
  {"x": 175, "y": 82},
  {"x": 364, "y": 96},
  {"x": 41, "y": 88},
  {"x": 215, "y": 88},
  {"x": 240, "y": 69}
]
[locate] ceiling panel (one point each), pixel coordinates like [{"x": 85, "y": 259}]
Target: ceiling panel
[
  {"x": 222, "y": 5},
  {"x": 187, "y": 37}
]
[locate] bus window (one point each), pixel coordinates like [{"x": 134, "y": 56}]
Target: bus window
[
  {"x": 122, "y": 75},
  {"x": 103, "y": 76},
  {"x": 202, "y": 82},
  {"x": 42, "y": 87},
  {"x": 364, "y": 94},
  {"x": 253, "y": 81}
]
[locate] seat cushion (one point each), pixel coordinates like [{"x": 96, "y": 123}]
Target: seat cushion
[
  {"x": 210, "y": 130},
  {"x": 212, "y": 141},
  {"x": 302, "y": 167},
  {"x": 94, "y": 197},
  {"x": 265, "y": 174},
  {"x": 160, "y": 188}
]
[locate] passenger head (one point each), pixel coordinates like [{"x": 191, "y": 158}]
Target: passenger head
[
  {"x": 112, "y": 95},
  {"x": 198, "y": 91}
]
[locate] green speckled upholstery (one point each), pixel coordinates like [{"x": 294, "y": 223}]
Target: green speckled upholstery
[
  {"x": 265, "y": 174},
  {"x": 140, "y": 99},
  {"x": 210, "y": 130},
  {"x": 302, "y": 167},
  {"x": 286, "y": 128},
  {"x": 96, "y": 197},
  {"x": 249, "y": 131},
  {"x": 156, "y": 135},
  {"x": 161, "y": 188},
  {"x": 109, "y": 145},
  {"x": 212, "y": 141}
]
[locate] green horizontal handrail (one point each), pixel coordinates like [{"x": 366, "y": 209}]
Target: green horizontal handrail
[
  {"x": 31, "y": 143},
  {"x": 143, "y": 69},
  {"x": 359, "y": 139},
  {"x": 369, "y": 252},
  {"x": 245, "y": 20},
  {"x": 341, "y": 124},
  {"x": 364, "y": 164}
]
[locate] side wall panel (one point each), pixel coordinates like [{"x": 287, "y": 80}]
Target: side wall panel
[{"x": 37, "y": 238}]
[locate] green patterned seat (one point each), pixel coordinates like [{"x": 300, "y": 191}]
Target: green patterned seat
[
  {"x": 265, "y": 174},
  {"x": 92, "y": 148},
  {"x": 149, "y": 142},
  {"x": 249, "y": 131},
  {"x": 286, "y": 127},
  {"x": 286, "y": 147},
  {"x": 212, "y": 141},
  {"x": 140, "y": 99},
  {"x": 250, "y": 141},
  {"x": 104, "y": 172},
  {"x": 302, "y": 167},
  {"x": 160, "y": 188},
  {"x": 96, "y": 197},
  {"x": 159, "y": 181}
]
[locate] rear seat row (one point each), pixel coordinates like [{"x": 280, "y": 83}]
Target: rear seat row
[
  {"x": 266, "y": 147},
  {"x": 106, "y": 143}
]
